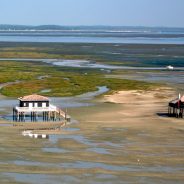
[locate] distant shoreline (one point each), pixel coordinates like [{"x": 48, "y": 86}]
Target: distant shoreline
[{"x": 85, "y": 27}]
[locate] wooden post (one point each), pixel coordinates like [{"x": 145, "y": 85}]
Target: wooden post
[
  {"x": 55, "y": 116},
  {"x": 173, "y": 111},
  {"x": 177, "y": 113},
  {"x": 46, "y": 116},
  {"x": 43, "y": 116},
  {"x": 49, "y": 116},
  {"x": 35, "y": 116},
  {"x": 13, "y": 114},
  {"x": 32, "y": 116},
  {"x": 18, "y": 116},
  {"x": 21, "y": 116},
  {"x": 24, "y": 116},
  {"x": 59, "y": 115},
  {"x": 66, "y": 114}
]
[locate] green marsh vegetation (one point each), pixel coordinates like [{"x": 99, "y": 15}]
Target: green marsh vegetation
[
  {"x": 46, "y": 79},
  {"x": 35, "y": 77}
]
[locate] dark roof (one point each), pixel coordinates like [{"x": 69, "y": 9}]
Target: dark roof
[{"x": 34, "y": 98}]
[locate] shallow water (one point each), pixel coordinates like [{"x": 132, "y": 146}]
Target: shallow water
[
  {"x": 167, "y": 77},
  {"x": 87, "y": 39},
  {"x": 5, "y": 125},
  {"x": 42, "y": 178},
  {"x": 107, "y": 157},
  {"x": 79, "y": 138},
  {"x": 83, "y": 100},
  {"x": 55, "y": 150},
  {"x": 91, "y": 64},
  {"x": 88, "y": 165},
  {"x": 45, "y": 90},
  {"x": 98, "y": 150}
]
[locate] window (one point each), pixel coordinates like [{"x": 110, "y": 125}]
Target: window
[
  {"x": 44, "y": 105},
  {"x": 24, "y": 104},
  {"x": 30, "y": 105},
  {"x": 36, "y": 105}
]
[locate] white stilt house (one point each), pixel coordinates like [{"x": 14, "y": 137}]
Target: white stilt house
[{"x": 35, "y": 106}]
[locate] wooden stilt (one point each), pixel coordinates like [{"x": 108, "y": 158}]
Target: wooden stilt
[
  {"x": 13, "y": 114},
  {"x": 49, "y": 116},
  {"x": 31, "y": 117},
  {"x": 43, "y": 117},
  {"x": 55, "y": 118}
]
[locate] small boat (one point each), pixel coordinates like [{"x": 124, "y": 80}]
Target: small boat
[{"x": 169, "y": 67}]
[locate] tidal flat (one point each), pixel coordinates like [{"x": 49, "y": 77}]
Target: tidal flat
[
  {"x": 123, "y": 137},
  {"x": 102, "y": 146}
]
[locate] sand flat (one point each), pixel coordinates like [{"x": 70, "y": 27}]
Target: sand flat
[{"x": 124, "y": 138}]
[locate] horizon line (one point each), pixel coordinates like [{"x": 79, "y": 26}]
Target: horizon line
[{"x": 100, "y": 25}]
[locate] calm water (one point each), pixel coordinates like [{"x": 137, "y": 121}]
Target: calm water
[
  {"x": 143, "y": 36},
  {"x": 64, "y": 39}
]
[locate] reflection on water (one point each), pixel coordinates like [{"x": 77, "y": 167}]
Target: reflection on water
[
  {"x": 88, "y": 165},
  {"x": 70, "y": 129},
  {"x": 101, "y": 161},
  {"x": 79, "y": 138},
  {"x": 55, "y": 150},
  {"x": 98, "y": 150},
  {"x": 42, "y": 178}
]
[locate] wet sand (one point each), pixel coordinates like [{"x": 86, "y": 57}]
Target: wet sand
[
  {"x": 133, "y": 128},
  {"x": 124, "y": 138}
]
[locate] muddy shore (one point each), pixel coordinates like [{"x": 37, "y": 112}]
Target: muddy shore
[{"x": 124, "y": 138}]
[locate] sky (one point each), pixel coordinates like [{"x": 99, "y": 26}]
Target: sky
[{"x": 169, "y": 13}]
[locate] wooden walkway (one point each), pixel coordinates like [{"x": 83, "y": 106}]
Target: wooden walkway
[{"x": 63, "y": 114}]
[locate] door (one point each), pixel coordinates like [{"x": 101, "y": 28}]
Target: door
[
  {"x": 44, "y": 105},
  {"x": 30, "y": 105},
  {"x": 36, "y": 105}
]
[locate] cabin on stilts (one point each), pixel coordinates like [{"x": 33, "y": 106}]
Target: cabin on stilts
[
  {"x": 34, "y": 107},
  {"x": 176, "y": 107}
]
